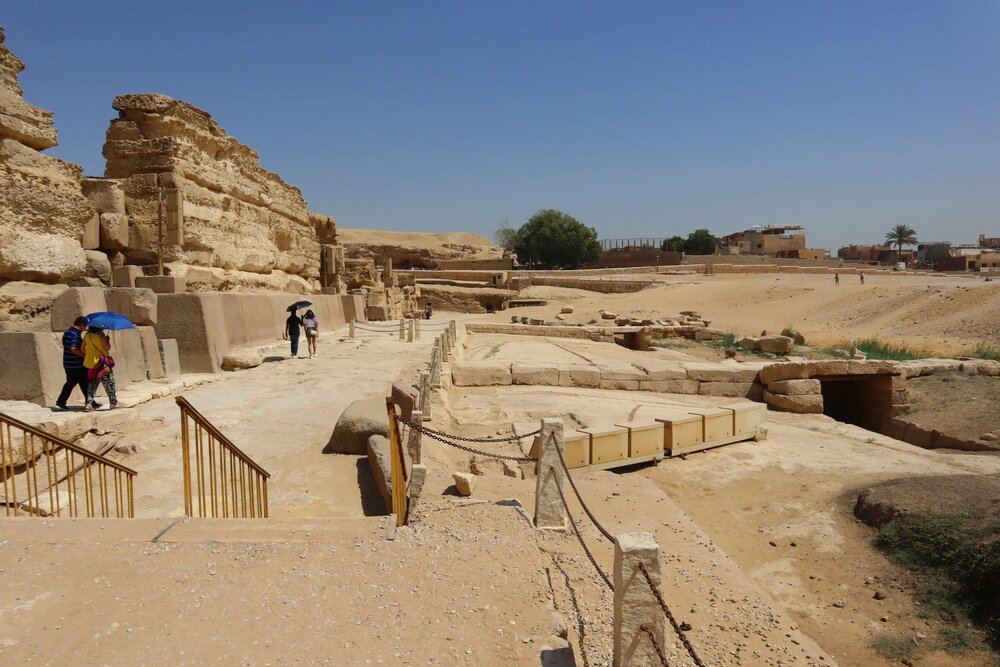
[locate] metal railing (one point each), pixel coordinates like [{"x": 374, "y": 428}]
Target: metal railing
[
  {"x": 76, "y": 483},
  {"x": 221, "y": 479},
  {"x": 397, "y": 467}
]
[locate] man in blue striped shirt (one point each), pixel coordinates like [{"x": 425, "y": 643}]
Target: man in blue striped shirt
[{"x": 76, "y": 374}]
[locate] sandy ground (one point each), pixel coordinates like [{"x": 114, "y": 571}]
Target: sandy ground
[
  {"x": 957, "y": 404},
  {"x": 944, "y": 314}
]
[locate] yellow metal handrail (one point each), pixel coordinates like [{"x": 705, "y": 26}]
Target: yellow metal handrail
[
  {"x": 397, "y": 467},
  {"x": 226, "y": 482},
  {"x": 72, "y": 474}
]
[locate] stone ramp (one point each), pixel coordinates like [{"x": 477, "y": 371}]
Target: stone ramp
[{"x": 462, "y": 585}]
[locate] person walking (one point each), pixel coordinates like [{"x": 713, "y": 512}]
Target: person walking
[
  {"x": 100, "y": 367},
  {"x": 293, "y": 326},
  {"x": 312, "y": 331},
  {"x": 428, "y": 311},
  {"x": 861, "y": 274},
  {"x": 76, "y": 374},
  {"x": 836, "y": 279}
]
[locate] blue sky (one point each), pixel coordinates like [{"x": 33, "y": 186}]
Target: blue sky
[{"x": 639, "y": 119}]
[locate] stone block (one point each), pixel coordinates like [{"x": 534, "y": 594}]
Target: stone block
[
  {"x": 380, "y": 465},
  {"x": 622, "y": 372},
  {"x": 357, "y": 424},
  {"x": 137, "y": 304},
  {"x": 98, "y": 265},
  {"x": 733, "y": 389},
  {"x": 803, "y": 404},
  {"x": 717, "y": 423},
  {"x": 124, "y": 276},
  {"x": 31, "y": 366},
  {"x": 681, "y": 430},
  {"x": 74, "y": 302},
  {"x": 579, "y": 376},
  {"x": 114, "y": 231},
  {"x": 151, "y": 352},
  {"x": 465, "y": 483},
  {"x": 480, "y": 374},
  {"x": 241, "y": 360},
  {"x": 747, "y": 417},
  {"x": 105, "y": 194},
  {"x": 130, "y": 361},
  {"x": 535, "y": 374},
  {"x": 405, "y": 395},
  {"x": 162, "y": 284},
  {"x": 169, "y": 357},
  {"x": 795, "y": 387},
  {"x": 91, "y": 239},
  {"x": 607, "y": 444},
  {"x": 709, "y": 372},
  {"x": 670, "y": 386},
  {"x": 776, "y": 344},
  {"x": 644, "y": 437},
  {"x": 377, "y": 313},
  {"x": 620, "y": 385},
  {"x": 196, "y": 322}
]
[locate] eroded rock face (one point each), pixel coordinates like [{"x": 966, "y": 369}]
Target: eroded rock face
[
  {"x": 42, "y": 209},
  {"x": 221, "y": 208}
]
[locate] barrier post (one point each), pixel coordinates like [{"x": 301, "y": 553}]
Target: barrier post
[
  {"x": 425, "y": 395},
  {"x": 413, "y": 441},
  {"x": 351, "y": 330},
  {"x": 416, "y": 329},
  {"x": 636, "y": 607},
  {"x": 550, "y": 512},
  {"x": 410, "y": 332},
  {"x": 454, "y": 329},
  {"x": 435, "y": 367},
  {"x": 443, "y": 347},
  {"x": 402, "y": 329}
]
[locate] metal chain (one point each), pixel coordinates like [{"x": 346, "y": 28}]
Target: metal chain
[
  {"x": 670, "y": 617},
  {"x": 579, "y": 497},
  {"x": 435, "y": 436},
  {"x": 656, "y": 644},
  {"x": 487, "y": 439},
  {"x": 579, "y": 536}
]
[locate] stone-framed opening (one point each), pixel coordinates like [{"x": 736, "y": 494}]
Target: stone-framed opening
[{"x": 862, "y": 400}]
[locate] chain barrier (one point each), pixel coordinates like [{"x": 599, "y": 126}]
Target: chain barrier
[
  {"x": 581, "y": 623},
  {"x": 444, "y": 438},
  {"x": 486, "y": 439},
  {"x": 579, "y": 537},
  {"x": 656, "y": 644},
  {"x": 670, "y": 617},
  {"x": 579, "y": 497}
]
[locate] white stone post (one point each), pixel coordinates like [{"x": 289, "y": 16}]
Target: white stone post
[
  {"x": 635, "y": 604},
  {"x": 402, "y": 329},
  {"x": 416, "y": 329},
  {"x": 425, "y": 394},
  {"x": 351, "y": 330},
  {"x": 454, "y": 329},
  {"x": 435, "y": 367},
  {"x": 411, "y": 331},
  {"x": 413, "y": 442},
  {"x": 550, "y": 512},
  {"x": 442, "y": 348}
]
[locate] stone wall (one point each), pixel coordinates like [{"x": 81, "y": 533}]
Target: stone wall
[
  {"x": 42, "y": 208},
  {"x": 221, "y": 208}
]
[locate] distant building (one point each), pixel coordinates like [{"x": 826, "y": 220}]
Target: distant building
[
  {"x": 985, "y": 260},
  {"x": 771, "y": 240},
  {"x": 862, "y": 253},
  {"x": 930, "y": 252},
  {"x": 989, "y": 242}
]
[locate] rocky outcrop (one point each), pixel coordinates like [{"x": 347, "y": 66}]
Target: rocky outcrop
[
  {"x": 221, "y": 209},
  {"x": 42, "y": 209},
  {"x": 415, "y": 250}
]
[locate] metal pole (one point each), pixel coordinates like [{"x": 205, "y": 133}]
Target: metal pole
[{"x": 159, "y": 216}]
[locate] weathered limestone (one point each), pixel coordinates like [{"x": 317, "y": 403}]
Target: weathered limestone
[
  {"x": 579, "y": 376},
  {"x": 480, "y": 374},
  {"x": 812, "y": 369},
  {"x": 670, "y": 386},
  {"x": 536, "y": 374},
  {"x": 380, "y": 465},
  {"x": 720, "y": 372},
  {"x": 151, "y": 353},
  {"x": 734, "y": 389},
  {"x": 635, "y": 604},
  {"x": 137, "y": 304},
  {"x": 161, "y": 284},
  {"x": 465, "y": 483},
  {"x": 75, "y": 302},
  {"x": 795, "y": 387},
  {"x": 32, "y": 367},
  {"x": 220, "y": 207},
  {"x": 358, "y": 422},
  {"x": 803, "y": 403},
  {"x": 550, "y": 512},
  {"x": 43, "y": 212},
  {"x": 241, "y": 360},
  {"x": 98, "y": 266},
  {"x": 124, "y": 276},
  {"x": 169, "y": 357}
]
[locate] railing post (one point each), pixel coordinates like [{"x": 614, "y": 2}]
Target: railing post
[
  {"x": 402, "y": 329},
  {"x": 635, "y": 602},
  {"x": 411, "y": 332},
  {"x": 445, "y": 346},
  {"x": 436, "y": 367},
  {"x": 351, "y": 330},
  {"x": 425, "y": 394},
  {"x": 550, "y": 512},
  {"x": 416, "y": 328},
  {"x": 413, "y": 441}
]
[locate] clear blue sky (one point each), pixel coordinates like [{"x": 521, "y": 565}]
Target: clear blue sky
[{"x": 640, "y": 119}]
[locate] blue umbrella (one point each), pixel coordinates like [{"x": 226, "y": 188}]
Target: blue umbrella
[{"x": 110, "y": 321}]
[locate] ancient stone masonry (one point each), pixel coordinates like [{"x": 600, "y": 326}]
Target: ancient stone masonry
[
  {"x": 221, "y": 209},
  {"x": 42, "y": 209}
]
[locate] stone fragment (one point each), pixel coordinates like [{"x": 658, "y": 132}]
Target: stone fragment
[
  {"x": 734, "y": 389},
  {"x": 161, "y": 284},
  {"x": 380, "y": 465},
  {"x": 776, "y": 344},
  {"x": 749, "y": 343},
  {"x": 98, "y": 265},
  {"x": 808, "y": 403},
  {"x": 720, "y": 372},
  {"x": 795, "y": 387},
  {"x": 124, "y": 276},
  {"x": 105, "y": 194},
  {"x": 620, "y": 385},
  {"x": 114, "y": 231},
  {"x": 359, "y": 421},
  {"x": 535, "y": 374},
  {"x": 465, "y": 483},
  {"x": 405, "y": 396},
  {"x": 91, "y": 239},
  {"x": 794, "y": 335},
  {"x": 608, "y": 315},
  {"x": 241, "y": 360},
  {"x": 169, "y": 357},
  {"x": 566, "y": 310},
  {"x": 579, "y": 376},
  {"x": 137, "y": 304}
]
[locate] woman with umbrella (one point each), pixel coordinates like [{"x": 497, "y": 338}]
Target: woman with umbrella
[
  {"x": 97, "y": 359},
  {"x": 293, "y": 325}
]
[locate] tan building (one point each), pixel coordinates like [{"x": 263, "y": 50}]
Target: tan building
[
  {"x": 989, "y": 242},
  {"x": 771, "y": 240}
]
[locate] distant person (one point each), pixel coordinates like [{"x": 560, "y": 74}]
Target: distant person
[
  {"x": 293, "y": 326},
  {"x": 312, "y": 331},
  {"x": 861, "y": 274},
  {"x": 76, "y": 374},
  {"x": 428, "y": 311},
  {"x": 100, "y": 366},
  {"x": 836, "y": 279}
]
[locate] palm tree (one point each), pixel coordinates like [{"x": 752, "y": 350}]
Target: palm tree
[{"x": 899, "y": 236}]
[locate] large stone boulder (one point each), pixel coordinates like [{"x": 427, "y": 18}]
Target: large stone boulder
[
  {"x": 137, "y": 304},
  {"x": 361, "y": 420},
  {"x": 377, "y": 450},
  {"x": 803, "y": 404},
  {"x": 241, "y": 360},
  {"x": 776, "y": 344},
  {"x": 795, "y": 387},
  {"x": 98, "y": 265}
]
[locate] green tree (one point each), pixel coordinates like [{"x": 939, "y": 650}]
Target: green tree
[
  {"x": 700, "y": 242},
  {"x": 553, "y": 238},
  {"x": 504, "y": 235},
  {"x": 673, "y": 244},
  {"x": 899, "y": 236}
]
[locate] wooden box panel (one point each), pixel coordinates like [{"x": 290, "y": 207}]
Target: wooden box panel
[
  {"x": 718, "y": 423},
  {"x": 747, "y": 417},
  {"x": 644, "y": 438},
  {"x": 681, "y": 430},
  {"x": 576, "y": 451},
  {"x": 607, "y": 444}
]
